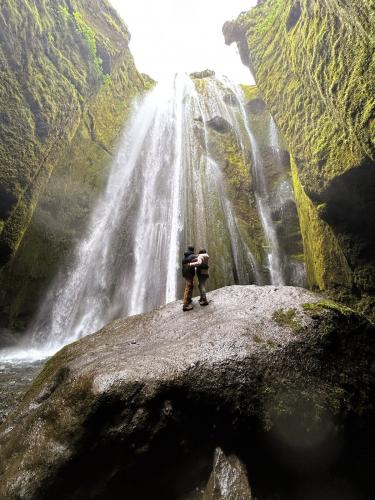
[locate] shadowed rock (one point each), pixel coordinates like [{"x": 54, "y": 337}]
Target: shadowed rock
[
  {"x": 256, "y": 106},
  {"x": 228, "y": 480},
  {"x": 231, "y": 99},
  {"x": 219, "y": 124},
  {"x": 152, "y": 396}
]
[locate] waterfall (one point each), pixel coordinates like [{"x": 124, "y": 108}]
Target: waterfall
[
  {"x": 165, "y": 190},
  {"x": 262, "y": 195}
]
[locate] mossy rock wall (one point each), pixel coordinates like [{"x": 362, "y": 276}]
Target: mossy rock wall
[
  {"x": 232, "y": 152},
  {"x": 325, "y": 261},
  {"x": 313, "y": 61},
  {"x": 239, "y": 187},
  {"x": 54, "y": 59},
  {"x": 83, "y": 99}
]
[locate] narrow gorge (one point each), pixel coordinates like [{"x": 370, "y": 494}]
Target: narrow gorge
[{"x": 106, "y": 176}]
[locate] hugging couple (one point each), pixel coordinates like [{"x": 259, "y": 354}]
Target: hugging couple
[{"x": 194, "y": 264}]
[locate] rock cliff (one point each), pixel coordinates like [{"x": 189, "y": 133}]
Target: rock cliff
[
  {"x": 313, "y": 62},
  {"x": 278, "y": 379},
  {"x": 68, "y": 81}
]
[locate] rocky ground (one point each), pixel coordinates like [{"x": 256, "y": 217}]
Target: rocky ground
[{"x": 276, "y": 380}]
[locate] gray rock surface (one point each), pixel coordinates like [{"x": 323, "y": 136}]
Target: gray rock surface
[
  {"x": 207, "y": 73},
  {"x": 219, "y": 124},
  {"x": 15, "y": 379},
  {"x": 228, "y": 480},
  {"x": 153, "y": 395}
]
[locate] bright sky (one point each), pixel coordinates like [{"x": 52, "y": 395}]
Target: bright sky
[{"x": 183, "y": 35}]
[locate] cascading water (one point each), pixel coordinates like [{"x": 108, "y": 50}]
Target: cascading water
[
  {"x": 261, "y": 193},
  {"x": 283, "y": 203},
  {"x": 165, "y": 190}
]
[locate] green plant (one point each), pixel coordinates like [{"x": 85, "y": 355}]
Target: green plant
[
  {"x": 106, "y": 79},
  {"x": 64, "y": 11},
  {"x": 90, "y": 39},
  {"x": 288, "y": 317}
]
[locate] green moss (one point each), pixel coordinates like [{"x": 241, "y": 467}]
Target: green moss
[
  {"x": 90, "y": 39},
  {"x": 315, "y": 307},
  {"x": 65, "y": 12},
  {"x": 250, "y": 91},
  {"x": 326, "y": 264},
  {"x": 268, "y": 15},
  {"x": 299, "y": 257},
  {"x": 316, "y": 79},
  {"x": 59, "y": 123},
  {"x": 149, "y": 83},
  {"x": 288, "y": 318},
  {"x": 201, "y": 85}
]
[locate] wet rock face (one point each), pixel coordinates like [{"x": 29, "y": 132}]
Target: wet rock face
[
  {"x": 313, "y": 64},
  {"x": 45, "y": 86},
  {"x": 219, "y": 124},
  {"x": 62, "y": 106},
  {"x": 256, "y": 106},
  {"x": 207, "y": 73},
  {"x": 271, "y": 375}
]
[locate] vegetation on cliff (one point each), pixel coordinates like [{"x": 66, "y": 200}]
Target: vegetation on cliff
[{"x": 313, "y": 62}]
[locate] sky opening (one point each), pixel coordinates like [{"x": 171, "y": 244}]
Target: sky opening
[{"x": 175, "y": 35}]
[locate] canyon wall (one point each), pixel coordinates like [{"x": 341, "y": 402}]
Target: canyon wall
[
  {"x": 313, "y": 63},
  {"x": 68, "y": 82}
]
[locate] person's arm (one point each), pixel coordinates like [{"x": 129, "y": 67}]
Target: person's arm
[{"x": 197, "y": 262}]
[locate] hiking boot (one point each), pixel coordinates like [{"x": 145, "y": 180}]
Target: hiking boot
[
  {"x": 188, "y": 307},
  {"x": 203, "y": 302}
]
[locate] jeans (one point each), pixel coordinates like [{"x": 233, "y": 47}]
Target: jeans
[{"x": 202, "y": 278}]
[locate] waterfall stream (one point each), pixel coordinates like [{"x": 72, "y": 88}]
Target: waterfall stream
[{"x": 164, "y": 191}]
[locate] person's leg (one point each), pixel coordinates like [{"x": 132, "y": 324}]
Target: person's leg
[
  {"x": 202, "y": 289},
  {"x": 188, "y": 292}
]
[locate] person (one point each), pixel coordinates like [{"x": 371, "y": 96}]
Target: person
[
  {"x": 188, "y": 272},
  {"x": 201, "y": 265}
]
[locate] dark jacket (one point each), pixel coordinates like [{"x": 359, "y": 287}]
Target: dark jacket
[{"x": 188, "y": 272}]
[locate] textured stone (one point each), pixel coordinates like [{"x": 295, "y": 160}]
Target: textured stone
[
  {"x": 207, "y": 73},
  {"x": 219, "y": 124},
  {"x": 256, "y": 106},
  {"x": 153, "y": 395},
  {"x": 228, "y": 480}
]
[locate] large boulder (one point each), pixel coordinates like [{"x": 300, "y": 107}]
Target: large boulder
[{"x": 273, "y": 376}]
